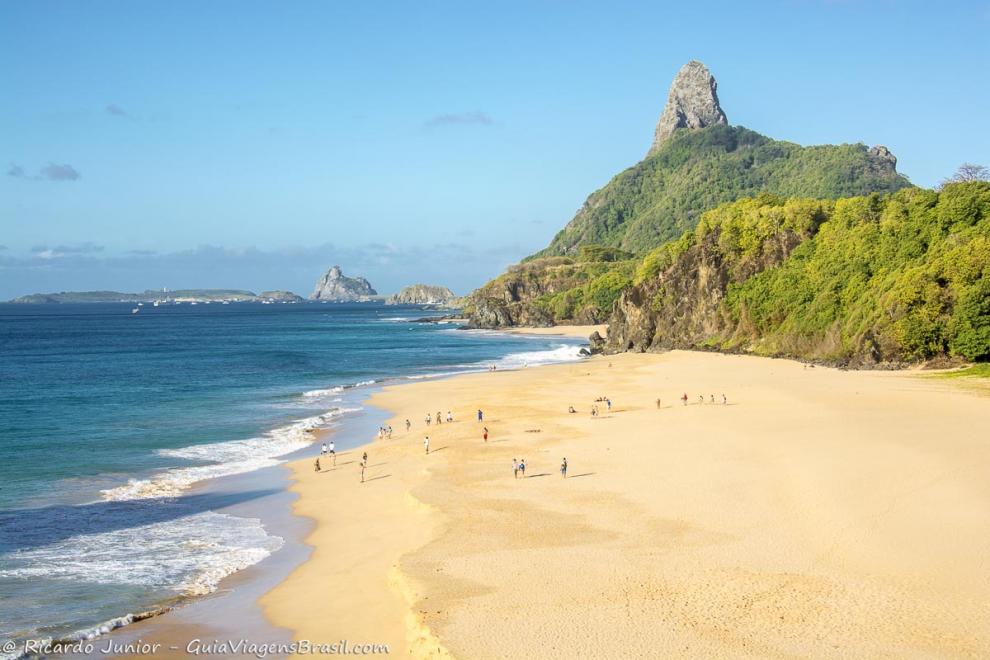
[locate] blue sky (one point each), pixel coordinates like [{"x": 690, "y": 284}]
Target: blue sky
[{"x": 254, "y": 144}]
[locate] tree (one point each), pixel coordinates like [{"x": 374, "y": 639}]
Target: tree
[{"x": 968, "y": 172}]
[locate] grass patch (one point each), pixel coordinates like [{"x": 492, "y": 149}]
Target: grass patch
[{"x": 976, "y": 371}]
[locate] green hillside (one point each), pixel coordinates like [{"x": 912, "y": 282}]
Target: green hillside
[
  {"x": 873, "y": 280},
  {"x": 659, "y": 198}
]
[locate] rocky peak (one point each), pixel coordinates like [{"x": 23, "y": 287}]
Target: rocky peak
[
  {"x": 692, "y": 102},
  {"x": 882, "y": 154},
  {"x": 335, "y": 286}
]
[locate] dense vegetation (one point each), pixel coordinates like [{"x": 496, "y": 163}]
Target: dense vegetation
[
  {"x": 659, "y": 198},
  {"x": 895, "y": 278}
]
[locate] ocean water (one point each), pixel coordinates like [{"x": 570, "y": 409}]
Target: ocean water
[{"x": 110, "y": 423}]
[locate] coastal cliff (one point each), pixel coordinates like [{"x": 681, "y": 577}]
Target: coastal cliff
[
  {"x": 708, "y": 243},
  {"x": 334, "y": 286},
  {"x": 866, "y": 282},
  {"x": 697, "y": 162}
]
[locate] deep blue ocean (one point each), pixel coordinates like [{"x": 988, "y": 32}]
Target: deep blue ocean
[{"x": 111, "y": 421}]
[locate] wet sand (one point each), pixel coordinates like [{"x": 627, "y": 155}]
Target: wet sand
[{"x": 820, "y": 513}]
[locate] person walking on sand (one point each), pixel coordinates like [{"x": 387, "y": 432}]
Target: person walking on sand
[
  {"x": 438, "y": 418},
  {"x": 389, "y": 430},
  {"x": 408, "y": 424},
  {"x": 658, "y": 403},
  {"x": 481, "y": 415},
  {"x": 713, "y": 399},
  {"x": 450, "y": 417},
  {"x": 426, "y": 444},
  {"x": 333, "y": 454},
  {"x": 515, "y": 469},
  {"x": 323, "y": 449},
  {"x": 684, "y": 398},
  {"x": 724, "y": 400},
  {"x": 608, "y": 404},
  {"x": 522, "y": 468},
  {"x": 563, "y": 468},
  {"x": 317, "y": 464},
  {"x": 428, "y": 419},
  {"x": 485, "y": 434},
  {"x": 701, "y": 399},
  {"x": 364, "y": 457},
  {"x": 364, "y": 464}
]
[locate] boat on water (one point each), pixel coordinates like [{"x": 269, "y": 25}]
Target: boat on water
[{"x": 135, "y": 310}]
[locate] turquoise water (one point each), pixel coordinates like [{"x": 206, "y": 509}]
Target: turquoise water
[{"x": 109, "y": 420}]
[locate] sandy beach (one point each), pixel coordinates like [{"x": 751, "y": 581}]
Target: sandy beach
[
  {"x": 819, "y": 513},
  {"x": 579, "y": 331}
]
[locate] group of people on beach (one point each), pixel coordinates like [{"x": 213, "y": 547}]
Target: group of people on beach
[
  {"x": 519, "y": 468},
  {"x": 701, "y": 399},
  {"x": 429, "y": 419},
  {"x": 329, "y": 451}
]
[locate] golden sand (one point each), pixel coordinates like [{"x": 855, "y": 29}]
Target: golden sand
[
  {"x": 581, "y": 331},
  {"x": 820, "y": 513}
]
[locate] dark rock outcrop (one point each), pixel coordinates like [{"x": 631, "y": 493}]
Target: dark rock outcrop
[
  {"x": 338, "y": 288},
  {"x": 682, "y": 307}
]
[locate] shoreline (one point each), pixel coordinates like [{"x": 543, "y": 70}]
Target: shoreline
[
  {"x": 575, "y": 331},
  {"x": 426, "y": 555},
  {"x": 237, "y": 594}
]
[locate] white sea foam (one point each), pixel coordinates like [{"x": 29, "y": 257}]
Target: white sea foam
[
  {"x": 189, "y": 555},
  {"x": 559, "y": 353},
  {"x": 337, "y": 389},
  {"x": 330, "y": 391},
  {"x": 228, "y": 458}
]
